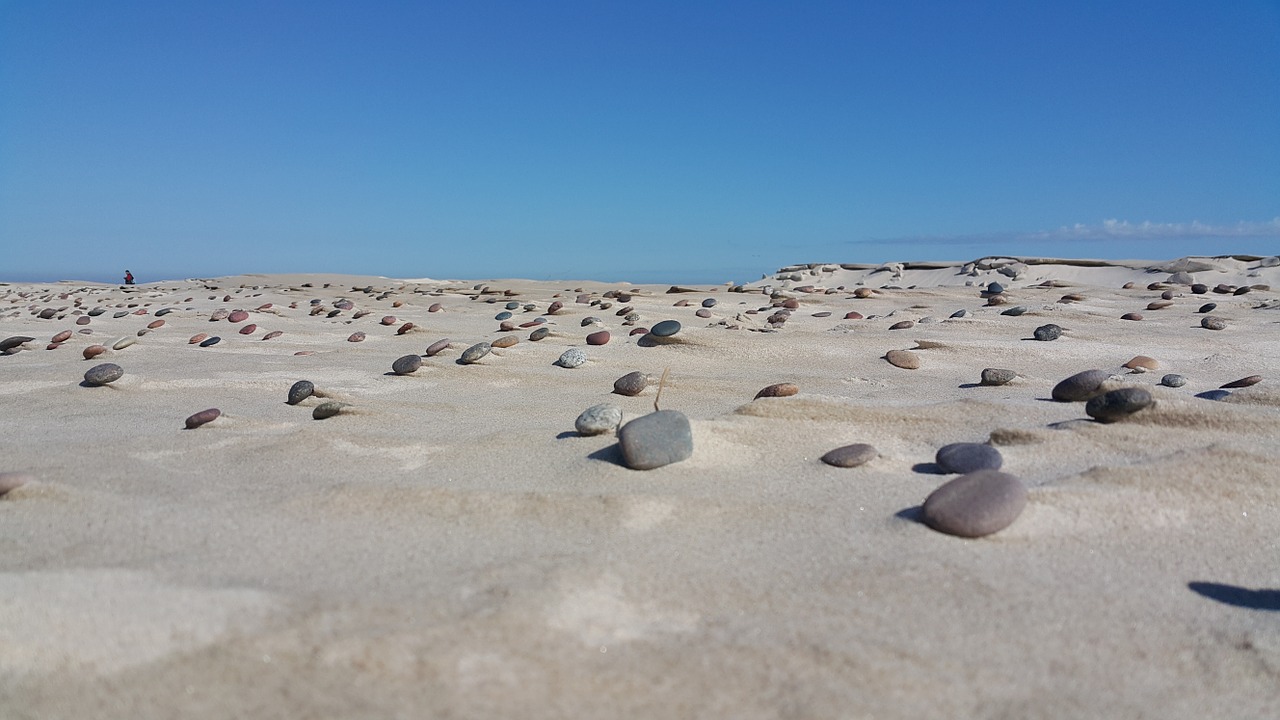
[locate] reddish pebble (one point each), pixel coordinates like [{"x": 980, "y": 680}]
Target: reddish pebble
[
  {"x": 248, "y": 329},
  {"x": 356, "y": 337},
  {"x": 598, "y": 338},
  {"x": 640, "y": 331},
  {"x": 404, "y": 328},
  {"x": 155, "y": 324},
  {"x": 853, "y": 316},
  {"x": 53, "y": 346},
  {"x": 902, "y": 325},
  {"x": 198, "y": 337},
  {"x": 397, "y": 303},
  {"x": 1244, "y": 382},
  {"x": 237, "y": 316},
  {"x": 778, "y": 390},
  {"x": 94, "y": 351},
  {"x": 1131, "y": 316},
  {"x": 83, "y": 320},
  {"x": 435, "y": 307},
  {"x": 61, "y": 337},
  {"x": 305, "y": 352},
  {"x": 505, "y": 342},
  {"x": 139, "y": 312},
  {"x": 273, "y": 335},
  {"x": 531, "y": 323},
  {"x": 264, "y": 307},
  {"x": 554, "y": 307},
  {"x": 202, "y": 417},
  {"x": 791, "y": 304},
  {"x": 388, "y": 320},
  {"x": 436, "y": 347},
  {"x": 703, "y": 313},
  {"x": 506, "y": 326}
]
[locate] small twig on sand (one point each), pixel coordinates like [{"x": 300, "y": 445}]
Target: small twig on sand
[{"x": 661, "y": 383}]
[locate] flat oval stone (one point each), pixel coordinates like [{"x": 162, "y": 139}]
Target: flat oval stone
[
  {"x": 1142, "y": 361},
  {"x": 997, "y": 376},
  {"x": 97, "y": 311},
  {"x": 435, "y": 307},
  {"x": 435, "y": 347},
  {"x": 709, "y": 303},
  {"x": 1207, "y": 308},
  {"x": 404, "y": 328},
  {"x": 166, "y": 311},
  {"x": 83, "y": 320},
  {"x": 959, "y": 313},
  {"x": 273, "y": 335},
  {"x": 639, "y": 331},
  {"x": 198, "y": 337},
  {"x": 1015, "y": 311},
  {"x": 539, "y": 334},
  {"x": 1116, "y": 404},
  {"x": 1081, "y": 386},
  {"x": 656, "y": 439},
  {"x": 474, "y": 353},
  {"x": 388, "y": 320},
  {"x": 975, "y": 504},
  {"x": 237, "y": 316},
  {"x": 249, "y": 329},
  {"x": 1159, "y": 304},
  {"x": 1244, "y": 382},
  {"x": 300, "y": 391},
  {"x": 124, "y": 342},
  {"x": 1131, "y": 316},
  {"x": 406, "y": 364},
  {"x": 356, "y": 337},
  {"x": 328, "y": 409},
  {"x": 61, "y": 337},
  {"x": 505, "y": 342},
  {"x": 631, "y": 384},
  {"x": 598, "y": 419},
  {"x": 94, "y": 351},
  {"x": 968, "y": 457},
  {"x": 778, "y": 390},
  {"x": 666, "y": 328},
  {"x": 207, "y": 342},
  {"x": 120, "y": 314},
  {"x": 572, "y": 358},
  {"x": 703, "y": 313},
  {"x": 849, "y": 456},
  {"x": 103, "y": 374},
  {"x": 154, "y": 324},
  {"x": 598, "y": 338},
  {"x": 47, "y": 313},
  {"x": 504, "y": 315},
  {"x": 904, "y": 359},
  {"x": 1213, "y": 323},
  {"x": 202, "y": 417},
  {"x": 14, "y": 341},
  {"x": 1046, "y": 333},
  {"x": 1173, "y": 380}
]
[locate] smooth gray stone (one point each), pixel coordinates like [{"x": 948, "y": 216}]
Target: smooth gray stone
[
  {"x": 997, "y": 376},
  {"x": 406, "y": 364},
  {"x": 572, "y": 358},
  {"x": 1015, "y": 310},
  {"x": 849, "y": 456},
  {"x": 1046, "y": 333},
  {"x": 10, "y": 343},
  {"x": 656, "y": 439},
  {"x": 598, "y": 419},
  {"x": 1208, "y": 308},
  {"x": 976, "y": 504},
  {"x": 504, "y": 315},
  {"x": 1116, "y": 404},
  {"x": 631, "y": 384},
  {"x": 513, "y": 305},
  {"x": 1173, "y": 380},
  {"x": 666, "y": 328},
  {"x": 211, "y": 341},
  {"x": 590, "y": 320},
  {"x": 120, "y": 314},
  {"x": 300, "y": 391},
  {"x": 709, "y": 303},
  {"x": 97, "y": 311},
  {"x": 103, "y": 374},
  {"x": 48, "y": 313},
  {"x": 968, "y": 457},
  {"x": 474, "y": 353},
  {"x": 1081, "y": 386},
  {"x": 539, "y": 333},
  {"x": 328, "y": 409}
]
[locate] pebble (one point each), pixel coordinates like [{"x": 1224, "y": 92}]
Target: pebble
[
  {"x": 703, "y": 313},
  {"x": 103, "y": 374},
  {"x": 504, "y": 315},
  {"x": 709, "y": 303},
  {"x": 202, "y": 417},
  {"x": 903, "y": 325},
  {"x": 1208, "y": 308},
  {"x": 97, "y": 311},
  {"x": 598, "y": 338},
  {"x": 1199, "y": 288},
  {"x": 356, "y": 337},
  {"x": 1015, "y": 310},
  {"x": 435, "y": 307},
  {"x": 63, "y": 336},
  {"x": 94, "y": 351},
  {"x": 219, "y": 314},
  {"x": 1173, "y": 380},
  {"x": 639, "y": 331},
  {"x": 656, "y": 439},
  {"x": 237, "y": 316},
  {"x": 977, "y": 504},
  {"x": 1244, "y": 382},
  {"x": 300, "y": 391},
  {"x": 539, "y": 334},
  {"x": 1116, "y": 404},
  {"x": 666, "y": 328},
  {"x": 852, "y": 315},
  {"x": 14, "y": 480},
  {"x": 406, "y": 364},
  {"x": 120, "y": 314},
  {"x": 598, "y": 419},
  {"x": 198, "y": 337},
  {"x": 1131, "y": 316},
  {"x": 968, "y": 457},
  {"x": 1213, "y": 323},
  {"x": 555, "y": 307},
  {"x": 404, "y": 328},
  {"x": 14, "y": 341},
  {"x": 960, "y": 314},
  {"x": 994, "y": 288},
  {"x": 328, "y": 409},
  {"x": 124, "y": 342},
  {"x": 1214, "y": 395},
  {"x": 47, "y": 313},
  {"x": 210, "y": 341},
  {"x": 1159, "y": 304},
  {"x": 997, "y": 376},
  {"x": 1081, "y": 386},
  {"x": 388, "y": 320},
  {"x": 474, "y": 353},
  {"x": 778, "y": 390},
  {"x": 572, "y": 358},
  {"x": 904, "y": 359},
  {"x": 863, "y": 292},
  {"x": 435, "y": 347},
  {"x": 849, "y": 456},
  {"x": 631, "y": 384},
  {"x": 273, "y": 335},
  {"x": 1048, "y": 332},
  {"x": 249, "y": 329},
  {"x": 505, "y": 342},
  {"x": 1143, "y": 362},
  {"x": 155, "y": 324},
  {"x": 83, "y": 320}
]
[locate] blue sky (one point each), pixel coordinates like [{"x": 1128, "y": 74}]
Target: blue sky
[{"x": 645, "y": 141}]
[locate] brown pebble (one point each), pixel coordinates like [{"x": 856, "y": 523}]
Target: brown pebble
[
  {"x": 397, "y": 303},
  {"x": 1244, "y": 382},
  {"x": 388, "y": 320},
  {"x": 903, "y": 325},
  {"x": 850, "y": 455},
  {"x": 237, "y": 316},
  {"x": 904, "y": 359},
  {"x": 198, "y": 337},
  {"x": 305, "y": 352},
  {"x": 53, "y": 346},
  {"x": 436, "y": 347},
  {"x": 853, "y": 316},
  {"x": 94, "y": 351},
  {"x": 1159, "y": 304},
  {"x": 778, "y": 390},
  {"x": 435, "y": 307},
  {"x": 639, "y": 331},
  {"x": 1131, "y": 316},
  {"x": 248, "y": 329},
  {"x": 1142, "y": 361},
  {"x": 598, "y": 338},
  {"x": 505, "y": 341},
  {"x": 155, "y": 324},
  {"x": 61, "y": 337},
  {"x": 273, "y": 335},
  {"x": 404, "y": 328},
  {"x": 83, "y": 320},
  {"x": 202, "y": 417},
  {"x": 356, "y": 337},
  {"x": 863, "y": 292}
]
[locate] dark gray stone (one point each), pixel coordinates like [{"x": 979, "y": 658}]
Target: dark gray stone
[
  {"x": 997, "y": 376},
  {"x": 14, "y": 341},
  {"x": 1048, "y": 332},
  {"x": 968, "y": 457},
  {"x": 328, "y": 409},
  {"x": 406, "y": 365},
  {"x": 631, "y": 384},
  {"x": 666, "y": 328},
  {"x": 1213, "y": 323},
  {"x": 1173, "y": 380},
  {"x": 539, "y": 333},
  {"x": 960, "y": 314},
  {"x": 1015, "y": 311},
  {"x": 1208, "y": 308},
  {"x": 849, "y": 456},
  {"x": 1081, "y": 386},
  {"x": 103, "y": 374},
  {"x": 709, "y": 303},
  {"x": 1116, "y": 404},
  {"x": 504, "y": 315},
  {"x": 300, "y": 391},
  {"x": 211, "y": 341},
  {"x": 977, "y": 504},
  {"x": 656, "y": 439}
]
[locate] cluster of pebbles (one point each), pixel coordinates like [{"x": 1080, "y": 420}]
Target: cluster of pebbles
[{"x": 981, "y": 500}]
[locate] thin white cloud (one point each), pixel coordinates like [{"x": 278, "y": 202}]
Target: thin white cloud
[{"x": 1110, "y": 229}]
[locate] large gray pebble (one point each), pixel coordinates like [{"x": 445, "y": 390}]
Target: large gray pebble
[
  {"x": 300, "y": 391},
  {"x": 572, "y": 358},
  {"x": 103, "y": 374},
  {"x": 474, "y": 353},
  {"x": 968, "y": 457},
  {"x": 1116, "y": 404},
  {"x": 598, "y": 419},
  {"x": 997, "y": 376},
  {"x": 406, "y": 365},
  {"x": 656, "y": 439},
  {"x": 1081, "y": 386},
  {"x": 849, "y": 456},
  {"x": 631, "y": 384},
  {"x": 976, "y": 504}
]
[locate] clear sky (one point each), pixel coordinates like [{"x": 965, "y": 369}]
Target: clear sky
[{"x": 647, "y": 141}]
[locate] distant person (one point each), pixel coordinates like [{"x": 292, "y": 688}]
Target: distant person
[{"x": 128, "y": 278}]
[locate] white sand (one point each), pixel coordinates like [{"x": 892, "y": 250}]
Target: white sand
[{"x": 451, "y": 548}]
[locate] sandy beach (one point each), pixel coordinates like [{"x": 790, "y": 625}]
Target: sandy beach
[{"x": 448, "y": 544}]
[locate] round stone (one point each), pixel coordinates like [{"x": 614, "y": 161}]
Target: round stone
[
  {"x": 1199, "y": 288},
  {"x": 976, "y": 504},
  {"x": 474, "y": 353},
  {"x": 103, "y": 374},
  {"x": 631, "y": 384},
  {"x": 666, "y": 328},
  {"x": 406, "y": 364},
  {"x": 1244, "y": 382},
  {"x": 703, "y": 313},
  {"x": 1081, "y": 386},
  {"x": 1173, "y": 380},
  {"x": 709, "y": 303},
  {"x": 328, "y": 409},
  {"x": 851, "y": 455},
  {"x": 778, "y": 390},
  {"x": 300, "y": 391},
  {"x": 598, "y": 338},
  {"x": 572, "y": 358},
  {"x": 505, "y": 342},
  {"x": 598, "y": 419},
  {"x": 1213, "y": 323},
  {"x": 388, "y": 320},
  {"x": 1116, "y": 404},
  {"x": 202, "y": 417},
  {"x": 656, "y": 439},
  {"x": 904, "y": 359},
  {"x": 539, "y": 334},
  {"x": 237, "y": 316},
  {"x": 83, "y": 320},
  {"x": 997, "y": 376},
  {"x": 968, "y": 457},
  {"x": 435, "y": 347},
  {"x": 1048, "y": 332}
]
